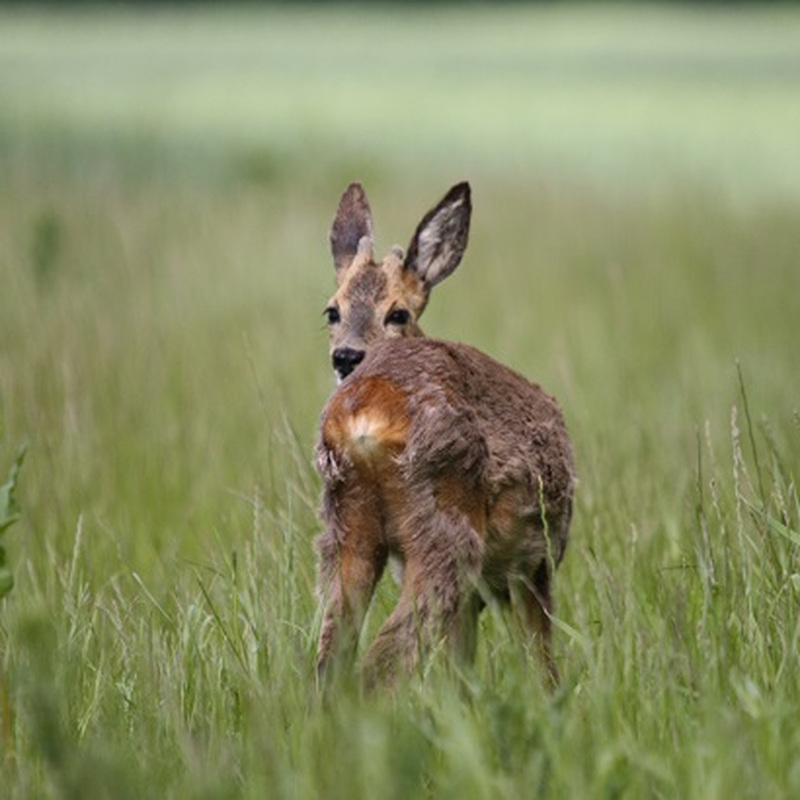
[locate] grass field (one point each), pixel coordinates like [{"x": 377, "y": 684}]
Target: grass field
[{"x": 166, "y": 185}]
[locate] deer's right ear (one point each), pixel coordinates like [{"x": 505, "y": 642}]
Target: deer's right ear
[
  {"x": 351, "y": 231},
  {"x": 441, "y": 238}
]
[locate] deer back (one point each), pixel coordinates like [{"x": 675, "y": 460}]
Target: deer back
[{"x": 438, "y": 411}]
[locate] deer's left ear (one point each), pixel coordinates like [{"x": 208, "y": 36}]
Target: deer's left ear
[
  {"x": 351, "y": 231},
  {"x": 441, "y": 238}
]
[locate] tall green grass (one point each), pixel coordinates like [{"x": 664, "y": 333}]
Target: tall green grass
[{"x": 162, "y": 353}]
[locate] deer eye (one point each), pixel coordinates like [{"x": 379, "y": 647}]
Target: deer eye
[
  {"x": 332, "y": 314},
  {"x": 399, "y": 316}
]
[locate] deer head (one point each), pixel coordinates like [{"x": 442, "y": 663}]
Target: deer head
[{"x": 383, "y": 300}]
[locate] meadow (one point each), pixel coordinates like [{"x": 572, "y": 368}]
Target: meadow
[{"x": 167, "y": 181}]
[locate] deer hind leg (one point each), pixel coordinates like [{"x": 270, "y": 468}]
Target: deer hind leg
[
  {"x": 352, "y": 559},
  {"x": 443, "y": 555},
  {"x": 534, "y": 601}
]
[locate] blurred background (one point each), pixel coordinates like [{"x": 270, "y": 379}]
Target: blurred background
[
  {"x": 168, "y": 175},
  {"x": 631, "y": 94}
]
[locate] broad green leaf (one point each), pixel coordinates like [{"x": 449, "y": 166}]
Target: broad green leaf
[
  {"x": 6, "y": 578},
  {"x": 9, "y": 507},
  {"x": 6, "y": 581}
]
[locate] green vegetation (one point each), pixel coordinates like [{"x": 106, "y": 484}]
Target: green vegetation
[
  {"x": 166, "y": 186},
  {"x": 9, "y": 514}
]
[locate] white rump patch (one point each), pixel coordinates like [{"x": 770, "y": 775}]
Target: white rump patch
[{"x": 364, "y": 434}]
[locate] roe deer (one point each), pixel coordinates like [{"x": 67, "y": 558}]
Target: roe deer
[{"x": 432, "y": 453}]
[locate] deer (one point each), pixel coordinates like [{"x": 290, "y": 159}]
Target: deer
[{"x": 433, "y": 456}]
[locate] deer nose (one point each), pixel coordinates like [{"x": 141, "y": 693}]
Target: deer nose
[{"x": 345, "y": 360}]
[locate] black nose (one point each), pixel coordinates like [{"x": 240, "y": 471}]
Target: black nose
[{"x": 345, "y": 360}]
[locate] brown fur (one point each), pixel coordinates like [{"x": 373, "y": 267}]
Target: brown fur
[{"x": 435, "y": 454}]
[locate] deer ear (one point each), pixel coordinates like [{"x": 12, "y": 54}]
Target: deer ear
[
  {"x": 441, "y": 238},
  {"x": 351, "y": 231}
]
